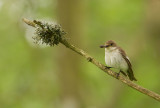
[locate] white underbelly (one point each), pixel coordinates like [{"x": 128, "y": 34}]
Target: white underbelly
[{"x": 115, "y": 60}]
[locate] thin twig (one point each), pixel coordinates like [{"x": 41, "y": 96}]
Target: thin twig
[{"x": 102, "y": 67}]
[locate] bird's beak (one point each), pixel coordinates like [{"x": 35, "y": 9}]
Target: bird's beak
[{"x": 104, "y": 46}]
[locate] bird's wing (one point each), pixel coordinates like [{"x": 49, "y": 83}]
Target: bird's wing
[{"x": 129, "y": 71}]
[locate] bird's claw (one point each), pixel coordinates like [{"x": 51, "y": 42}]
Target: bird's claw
[
  {"x": 106, "y": 67},
  {"x": 118, "y": 75}
]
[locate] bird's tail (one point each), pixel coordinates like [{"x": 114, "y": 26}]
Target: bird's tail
[{"x": 131, "y": 75}]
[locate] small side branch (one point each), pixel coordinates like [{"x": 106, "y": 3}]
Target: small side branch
[{"x": 54, "y": 35}]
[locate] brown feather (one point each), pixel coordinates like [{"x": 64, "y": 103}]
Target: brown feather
[{"x": 129, "y": 71}]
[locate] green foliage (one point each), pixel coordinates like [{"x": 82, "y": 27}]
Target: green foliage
[{"x": 29, "y": 76}]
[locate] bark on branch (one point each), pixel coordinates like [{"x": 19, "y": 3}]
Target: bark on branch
[{"x": 49, "y": 34}]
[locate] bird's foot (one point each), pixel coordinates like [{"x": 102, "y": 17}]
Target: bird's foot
[
  {"x": 123, "y": 73},
  {"x": 118, "y": 75},
  {"x": 106, "y": 67}
]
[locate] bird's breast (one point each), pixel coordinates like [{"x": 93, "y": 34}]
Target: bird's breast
[{"x": 114, "y": 59}]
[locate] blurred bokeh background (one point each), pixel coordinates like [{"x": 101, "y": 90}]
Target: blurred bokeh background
[{"x": 34, "y": 76}]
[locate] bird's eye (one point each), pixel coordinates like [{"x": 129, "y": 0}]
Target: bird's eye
[{"x": 111, "y": 44}]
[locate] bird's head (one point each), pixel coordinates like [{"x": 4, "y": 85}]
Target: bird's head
[{"x": 109, "y": 45}]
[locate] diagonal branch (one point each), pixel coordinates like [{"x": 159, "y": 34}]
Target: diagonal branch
[{"x": 53, "y": 34}]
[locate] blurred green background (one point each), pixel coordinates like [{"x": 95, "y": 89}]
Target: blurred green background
[{"x": 34, "y": 76}]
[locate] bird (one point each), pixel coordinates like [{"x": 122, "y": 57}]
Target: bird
[{"x": 115, "y": 57}]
